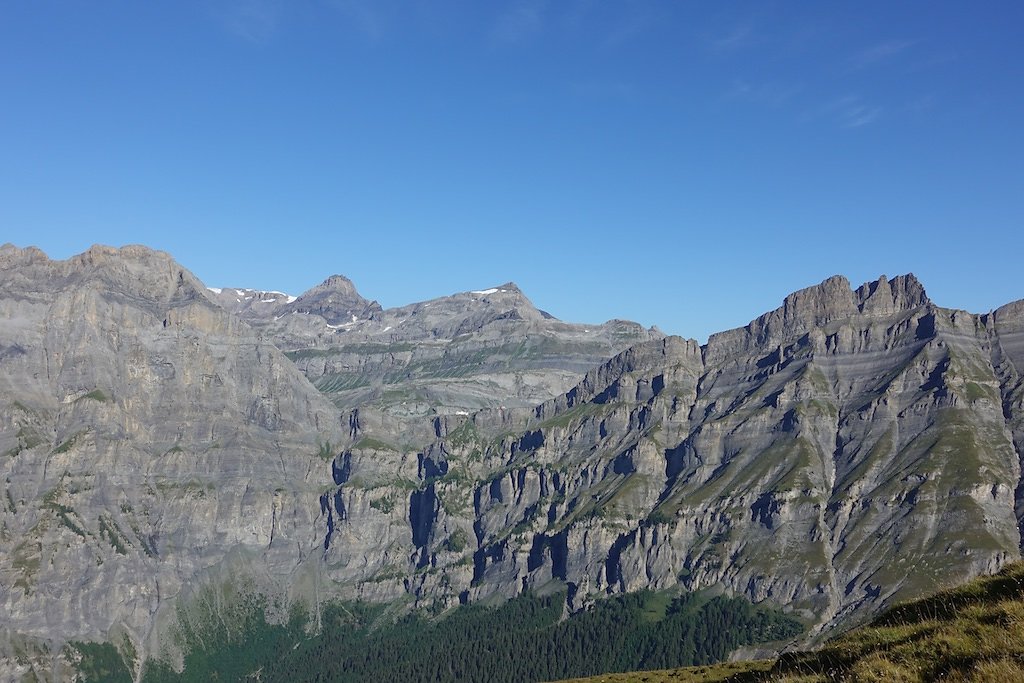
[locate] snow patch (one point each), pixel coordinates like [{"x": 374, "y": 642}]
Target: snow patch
[
  {"x": 215, "y": 290},
  {"x": 486, "y": 291},
  {"x": 387, "y": 328},
  {"x": 461, "y": 412},
  {"x": 354, "y": 318}
]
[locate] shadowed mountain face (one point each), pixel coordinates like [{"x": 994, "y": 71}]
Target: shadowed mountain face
[{"x": 849, "y": 448}]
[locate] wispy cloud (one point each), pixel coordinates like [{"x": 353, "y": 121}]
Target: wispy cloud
[
  {"x": 259, "y": 21},
  {"x": 879, "y": 53},
  {"x": 923, "y": 103},
  {"x": 859, "y": 115},
  {"x": 371, "y": 19},
  {"x": 849, "y": 111},
  {"x": 521, "y": 22},
  {"x": 254, "y": 20},
  {"x": 771, "y": 94},
  {"x": 740, "y": 36}
]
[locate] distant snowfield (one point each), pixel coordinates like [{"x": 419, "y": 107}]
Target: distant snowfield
[
  {"x": 489, "y": 291},
  {"x": 248, "y": 294}
]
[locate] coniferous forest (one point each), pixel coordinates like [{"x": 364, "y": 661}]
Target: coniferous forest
[{"x": 525, "y": 639}]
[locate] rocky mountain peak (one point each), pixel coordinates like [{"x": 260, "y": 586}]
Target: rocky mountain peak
[
  {"x": 509, "y": 288},
  {"x": 337, "y": 284},
  {"x": 884, "y": 297},
  {"x": 816, "y": 307},
  {"x": 1011, "y": 311},
  {"x": 336, "y": 300},
  {"x": 800, "y": 311},
  {"x": 11, "y": 255},
  {"x": 505, "y": 296},
  {"x": 132, "y": 271}
]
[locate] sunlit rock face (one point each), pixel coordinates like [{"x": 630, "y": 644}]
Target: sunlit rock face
[
  {"x": 852, "y": 447},
  {"x": 145, "y": 434}
]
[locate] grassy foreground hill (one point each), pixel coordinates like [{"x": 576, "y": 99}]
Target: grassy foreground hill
[{"x": 971, "y": 633}]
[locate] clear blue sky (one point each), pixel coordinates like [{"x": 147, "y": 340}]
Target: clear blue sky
[{"x": 684, "y": 164}]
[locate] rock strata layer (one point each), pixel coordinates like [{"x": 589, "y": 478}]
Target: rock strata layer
[
  {"x": 847, "y": 449},
  {"x": 851, "y": 448}
]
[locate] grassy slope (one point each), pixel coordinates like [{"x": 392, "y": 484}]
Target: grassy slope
[{"x": 971, "y": 633}]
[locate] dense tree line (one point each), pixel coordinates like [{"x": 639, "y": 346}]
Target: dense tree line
[{"x": 526, "y": 639}]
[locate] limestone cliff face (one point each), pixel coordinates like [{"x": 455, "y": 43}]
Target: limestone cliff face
[
  {"x": 1006, "y": 347},
  {"x": 847, "y": 449},
  {"x": 852, "y": 447},
  {"x": 145, "y": 433}
]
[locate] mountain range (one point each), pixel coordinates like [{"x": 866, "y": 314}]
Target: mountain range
[{"x": 852, "y": 448}]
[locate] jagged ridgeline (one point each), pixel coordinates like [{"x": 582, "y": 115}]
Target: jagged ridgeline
[
  {"x": 853, "y": 447},
  {"x": 847, "y": 449}
]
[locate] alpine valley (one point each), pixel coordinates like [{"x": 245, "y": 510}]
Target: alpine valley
[{"x": 188, "y": 469}]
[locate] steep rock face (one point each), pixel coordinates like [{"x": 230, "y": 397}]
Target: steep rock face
[
  {"x": 1006, "y": 331},
  {"x": 850, "y": 448},
  {"x": 145, "y": 434}
]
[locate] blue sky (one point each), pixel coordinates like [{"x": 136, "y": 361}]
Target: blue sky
[{"x": 684, "y": 164}]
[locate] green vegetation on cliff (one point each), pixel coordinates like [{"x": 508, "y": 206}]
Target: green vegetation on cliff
[{"x": 525, "y": 639}]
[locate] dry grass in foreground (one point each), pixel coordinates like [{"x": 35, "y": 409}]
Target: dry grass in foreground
[{"x": 971, "y": 633}]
